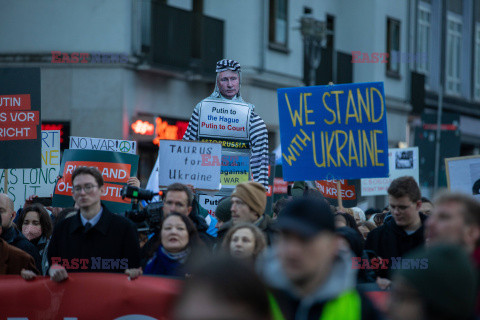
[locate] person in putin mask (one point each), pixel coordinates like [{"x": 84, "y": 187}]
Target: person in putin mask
[
  {"x": 248, "y": 205},
  {"x": 92, "y": 233}
]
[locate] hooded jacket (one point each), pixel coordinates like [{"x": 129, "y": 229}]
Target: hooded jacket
[
  {"x": 257, "y": 131},
  {"x": 342, "y": 279},
  {"x": 390, "y": 240}
]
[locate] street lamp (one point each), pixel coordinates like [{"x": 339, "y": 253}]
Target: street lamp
[{"x": 314, "y": 34}]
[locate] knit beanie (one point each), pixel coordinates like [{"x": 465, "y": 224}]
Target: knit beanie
[
  {"x": 253, "y": 194},
  {"x": 223, "y": 212},
  {"x": 446, "y": 283}
]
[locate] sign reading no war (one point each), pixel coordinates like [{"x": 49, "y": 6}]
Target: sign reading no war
[{"x": 335, "y": 131}]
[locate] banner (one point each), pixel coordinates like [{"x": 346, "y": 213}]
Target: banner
[
  {"x": 349, "y": 191},
  {"x": 23, "y": 183},
  {"x": 463, "y": 175},
  {"x": 402, "y": 162},
  {"x": 123, "y": 146},
  {"x": 333, "y": 132},
  {"x": 224, "y": 122},
  {"x": 20, "y": 105},
  {"x": 116, "y": 169},
  {"x": 234, "y": 170},
  {"x": 193, "y": 163},
  {"x": 85, "y": 296}
]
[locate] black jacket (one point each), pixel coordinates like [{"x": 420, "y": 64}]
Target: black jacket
[
  {"x": 390, "y": 240},
  {"x": 15, "y": 238},
  {"x": 110, "y": 246}
]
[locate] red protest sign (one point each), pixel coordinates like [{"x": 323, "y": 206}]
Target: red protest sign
[
  {"x": 111, "y": 172},
  {"x": 15, "y": 102},
  {"x": 146, "y": 297},
  {"x": 348, "y": 191}
]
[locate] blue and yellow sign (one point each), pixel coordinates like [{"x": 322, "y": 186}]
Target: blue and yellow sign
[{"x": 334, "y": 131}]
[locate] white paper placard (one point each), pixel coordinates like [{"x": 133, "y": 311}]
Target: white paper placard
[
  {"x": 194, "y": 163},
  {"x": 463, "y": 175},
  {"x": 85, "y": 143},
  {"x": 402, "y": 162},
  {"x": 209, "y": 203}
]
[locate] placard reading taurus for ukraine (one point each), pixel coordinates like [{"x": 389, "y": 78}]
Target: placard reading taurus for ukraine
[
  {"x": 333, "y": 132},
  {"x": 224, "y": 122}
]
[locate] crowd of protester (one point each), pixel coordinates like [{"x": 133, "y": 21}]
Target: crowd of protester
[{"x": 304, "y": 260}]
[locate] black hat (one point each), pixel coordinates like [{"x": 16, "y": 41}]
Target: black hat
[{"x": 306, "y": 217}]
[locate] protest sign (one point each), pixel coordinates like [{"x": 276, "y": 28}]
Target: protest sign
[
  {"x": 224, "y": 122},
  {"x": 23, "y": 183},
  {"x": 194, "y": 163},
  {"x": 149, "y": 298},
  {"x": 116, "y": 168},
  {"x": 209, "y": 203},
  {"x": 20, "y": 105},
  {"x": 463, "y": 175},
  {"x": 84, "y": 143},
  {"x": 333, "y": 132},
  {"x": 402, "y": 162},
  {"x": 349, "y": 191},
  {"x": 235, "y": 169}
]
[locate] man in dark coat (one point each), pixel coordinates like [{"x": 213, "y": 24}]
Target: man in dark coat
[
  {"x": 404, "y": 231},
  {"x": 12, "y": 259},
  {"x": 13, "y": 236},
  {"x": 94, "y": 239},
  {"x": 248, "y": 205}
]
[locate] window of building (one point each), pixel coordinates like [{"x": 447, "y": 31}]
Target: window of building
[
  {"x": 423, "y": 39},
  {"x": 393, "y": 45},
  {"x": 477, "y": 62},
  {"x": 278, "y": 25},
  {"x": 453, "y": 51}
]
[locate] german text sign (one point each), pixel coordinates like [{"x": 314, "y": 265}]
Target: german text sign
[
  {"x": 337, "y": 131},
  {"x": 194, "y": 163},
  {"x": 23, "y": 183},
  {"x": 116, "y": 168},
  {"x": 20, "y": 105}
]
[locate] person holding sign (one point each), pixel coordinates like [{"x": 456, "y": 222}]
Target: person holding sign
[
  {"x": 226, "y": 118},
  {"x": 94, "y": 239}
]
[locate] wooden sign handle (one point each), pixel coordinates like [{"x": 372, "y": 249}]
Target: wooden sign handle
[
  {"x": 5, "y": 182},
  {"x": 339, "y": 195}
]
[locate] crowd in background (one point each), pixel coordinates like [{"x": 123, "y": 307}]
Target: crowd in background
[{"x": 304, "y": 260}]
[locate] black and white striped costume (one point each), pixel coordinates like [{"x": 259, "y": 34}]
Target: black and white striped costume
[{"x": 257, "y": 129}]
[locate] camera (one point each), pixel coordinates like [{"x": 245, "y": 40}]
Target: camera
[{"x": 151, "y": 214}]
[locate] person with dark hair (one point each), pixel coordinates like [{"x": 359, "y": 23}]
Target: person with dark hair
[
  {"x": 13, "y": 260},
  {"x": 308, "y": 274},
  {"x": 442, "y": 287},
  {"x": 222, "y": 212},
  {"x": 93, "y": 235},
  {"x": 404, "y": 232},
  {"x": 379, "y": 218},
  {"x": 178, "y": 236},
  {"x": 179, "y": 198},
  {"x": 222, "y": 288},
  {"x": 278, "y": 206},
  {"x": 343, "y": 219},
  {"x": 365, "y": 228},
  {"x": 370, "y": 212},
  {"x": 244, "y": 241},
  {"x": 427, "y": 206},
  {"x": 12, "y": 235},
  {"x": 36, "y": 226}
]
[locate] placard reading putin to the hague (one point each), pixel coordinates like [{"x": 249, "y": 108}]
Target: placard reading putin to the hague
[
  {"x": 23, "y": 183},
  {"x": 116, "y": 168},
  {"x": 20, "y": 105},
  {"x": 334, "y": 131},
  {"x": 194, "y": 163},
  {"x": 225, "y": 123}
]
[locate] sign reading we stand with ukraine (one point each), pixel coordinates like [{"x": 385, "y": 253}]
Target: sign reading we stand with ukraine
[{"x": 333, "y": 132}]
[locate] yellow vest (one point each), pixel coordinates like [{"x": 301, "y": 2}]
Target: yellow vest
[{"x": 346, "y": 306}]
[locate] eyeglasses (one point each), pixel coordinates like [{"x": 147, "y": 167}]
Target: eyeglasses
[{"x": 87, "y": 188}]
